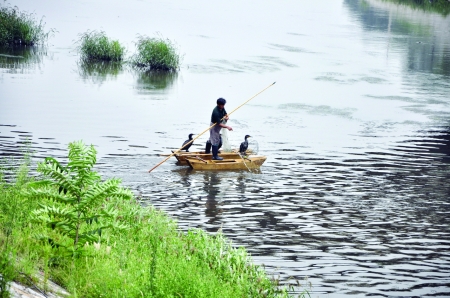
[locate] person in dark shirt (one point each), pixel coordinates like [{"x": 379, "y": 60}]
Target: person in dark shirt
[{"x": 218, "y": 113}]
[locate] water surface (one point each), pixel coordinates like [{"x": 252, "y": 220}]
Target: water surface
[{"x": 354, "y": 193}]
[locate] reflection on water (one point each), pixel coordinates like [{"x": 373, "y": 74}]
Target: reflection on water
[
  {"x": 424, "y": 35},
  {"x": 99, "y": 71},
  {"x": 154, "y": 82},
  {"x": 438, "y": 143},
  {"x": 211, "y": 187},
  {"x": 20, "y": 59},
  {"x": 428, "y": 6}
]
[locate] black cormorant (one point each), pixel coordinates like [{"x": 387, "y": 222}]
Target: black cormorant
[
  {"x": 244, "y": 145},
  {"x": 187, "y": 141}
]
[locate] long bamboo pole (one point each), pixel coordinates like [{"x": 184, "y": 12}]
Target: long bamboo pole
[{"x": 176, "y": 151}]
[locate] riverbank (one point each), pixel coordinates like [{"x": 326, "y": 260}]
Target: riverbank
[
  {"x": 142, "y": 253},
  {"x": 52, "y": 290}
]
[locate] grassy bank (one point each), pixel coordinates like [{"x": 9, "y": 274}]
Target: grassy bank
[
  {"x": 20, "y": 28},
  {"x": 94, "y": 239}
]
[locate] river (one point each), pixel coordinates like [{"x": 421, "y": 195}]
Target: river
[{"x": 354, "y": 194}]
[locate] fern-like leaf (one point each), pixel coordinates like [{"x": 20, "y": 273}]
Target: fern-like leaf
[
  {"x": 62, "y": 178},
  {"x": 52, "y": 194}
]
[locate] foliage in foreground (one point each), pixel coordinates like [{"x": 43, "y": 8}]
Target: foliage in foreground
[
  {"x": 20, "y": 28},
  {"x": 156, "y": 54},
  {"x": 150, "y": 258},
  {"x": 71, "y": 200},
  {"x": 15, "y": 209},
  {"x": 96, "y": 46}
]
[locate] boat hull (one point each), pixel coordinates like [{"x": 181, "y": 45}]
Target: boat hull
[
  {"x": 253, "y": 162},
  {"x": 181, "y": 156}
]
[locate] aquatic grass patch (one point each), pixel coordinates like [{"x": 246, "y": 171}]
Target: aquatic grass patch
[
  {"x": 20, "y": 28},
  {"x": 97, "y": 46},
  {"x": 156, "y": 53}
]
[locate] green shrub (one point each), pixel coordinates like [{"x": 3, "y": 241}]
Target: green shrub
[
  {"x": 71, "y": 200},
  {"x": 96, "y": 46},
  {"x": 156, "y": 54},
  {"x": 20, "y": 28}
]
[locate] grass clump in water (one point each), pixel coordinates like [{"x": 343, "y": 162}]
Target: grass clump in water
[
  {"x": 20, "y": 28},
  {"x": 156, "y": 54},
  {"x": 96, "y": 46}
]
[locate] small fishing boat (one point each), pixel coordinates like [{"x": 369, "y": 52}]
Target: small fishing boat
[
  {"x": 240, "y": 163},
  {"x": 181, "y": 156}
]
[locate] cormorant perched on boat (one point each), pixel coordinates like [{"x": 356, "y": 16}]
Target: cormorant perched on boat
[
  {"x": 187, "y": 141},
  {"x": 244, "y": 145}
]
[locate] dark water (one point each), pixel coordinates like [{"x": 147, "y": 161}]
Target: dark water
[{"x": 354, "y": 194}]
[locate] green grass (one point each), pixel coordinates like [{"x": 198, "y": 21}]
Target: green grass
[
  {"x": 149, "y": 258},
  {"x": 20, "y": 28},
  {"x": 156, "y": 54},
  {"x": 96, "y": 46}
]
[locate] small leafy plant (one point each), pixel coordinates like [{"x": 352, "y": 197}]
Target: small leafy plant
[
  {"x": 71, "y": 200},
  {"x": 96, "y": 46},
  {"x": 20, "y": 28},
  {"x": 156, "y": 54}
]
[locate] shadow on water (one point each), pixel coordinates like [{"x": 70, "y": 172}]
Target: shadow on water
[
  {"x": 99, "y": 72},
  {"x": 20, "y": 59},
  {"x": 154, "y": 82},
  {"x": 420, "y": 32}
]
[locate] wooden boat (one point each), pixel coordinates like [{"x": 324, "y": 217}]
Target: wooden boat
[
  {"x": 240, "y": 163},
  {"x": 181, "y": 156}
]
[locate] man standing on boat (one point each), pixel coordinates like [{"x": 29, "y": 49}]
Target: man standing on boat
[{"x": 214, "y": 133}]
